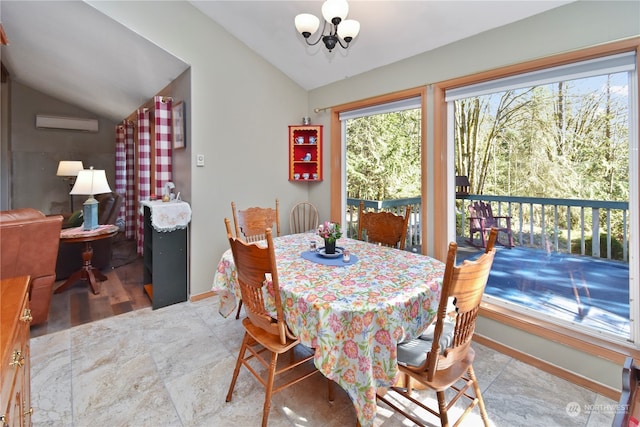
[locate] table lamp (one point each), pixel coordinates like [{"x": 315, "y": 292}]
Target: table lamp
[
  {"x": 69, "y": 170},
  {"x": 89, "y": 182}
]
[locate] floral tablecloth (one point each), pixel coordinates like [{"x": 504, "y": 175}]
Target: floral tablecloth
[{"x": 353, "y": 316}]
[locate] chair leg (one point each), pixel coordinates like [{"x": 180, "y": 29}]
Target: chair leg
[
  {"x": 236, "y": 371},
  {"x": 442, "y": 409},
  {"x": 476, "y": 389},
  {"x": 239, "y": 308},
  {"x": 269, "y": 388}
]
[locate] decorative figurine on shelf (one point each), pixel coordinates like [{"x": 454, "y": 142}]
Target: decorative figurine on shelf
[
  {"x": 312, "y": 140},
  {"x": 307, "y": 157},
  {"x": 168, "y": 194},
  {"x": 299, "y": 139}
]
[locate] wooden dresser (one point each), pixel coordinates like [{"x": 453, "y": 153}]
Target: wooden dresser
[{"x": 14, "y": 340}]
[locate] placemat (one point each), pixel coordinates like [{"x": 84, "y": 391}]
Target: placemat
[{"x": 338, "y": 262}]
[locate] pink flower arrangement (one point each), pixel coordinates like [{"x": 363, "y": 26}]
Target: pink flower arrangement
[{"x": 330, "y": 231}]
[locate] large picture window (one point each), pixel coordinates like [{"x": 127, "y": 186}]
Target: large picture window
[{"x": 553, "y": 155}]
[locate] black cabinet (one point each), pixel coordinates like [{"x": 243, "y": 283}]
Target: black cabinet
[{"x": 165, "y": 264}]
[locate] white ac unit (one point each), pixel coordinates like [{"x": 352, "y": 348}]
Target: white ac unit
[{"x": 66, "y": 123}]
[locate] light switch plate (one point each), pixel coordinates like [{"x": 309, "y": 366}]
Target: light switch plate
[{"x": 200, "y": 160}]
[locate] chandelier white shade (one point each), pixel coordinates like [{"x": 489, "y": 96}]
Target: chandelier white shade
[{"x": 341, "y": 30}]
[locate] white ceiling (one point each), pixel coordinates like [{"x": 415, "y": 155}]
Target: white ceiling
[{"x": 69, "y": 50}]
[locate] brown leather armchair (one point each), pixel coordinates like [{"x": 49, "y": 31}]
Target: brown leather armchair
[
  {"x": 29, "y": 246},
  {"x": 70, "y": 254}
]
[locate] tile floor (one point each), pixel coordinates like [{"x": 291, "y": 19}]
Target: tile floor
[{"x": 172, "y": 367}]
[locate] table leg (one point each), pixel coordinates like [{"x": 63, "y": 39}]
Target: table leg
[{"x": 87, "y": 272}]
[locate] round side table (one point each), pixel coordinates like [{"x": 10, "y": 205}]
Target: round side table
[{"x": 87, "y": 272}]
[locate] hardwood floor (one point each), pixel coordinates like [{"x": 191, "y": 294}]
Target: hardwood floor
[{"x": 121, "y": 293}]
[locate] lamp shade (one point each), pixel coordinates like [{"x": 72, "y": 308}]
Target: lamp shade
[
  {"x": 69, "y": 167},
  {"x": 307, "y": 23},
  {"x": 90, "y": 182},
  {"x": 335, "y": 9},
  {"x": 348, "y": 29}
]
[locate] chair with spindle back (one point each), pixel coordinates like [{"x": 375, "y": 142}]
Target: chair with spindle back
[
  {"x": 442, "y": 357},
  {"x": 250, "y": 225},
  {"x": 256, "y": 270},
  {"x": 303, "y": 218},
  {"x": 385, "y": 228}
]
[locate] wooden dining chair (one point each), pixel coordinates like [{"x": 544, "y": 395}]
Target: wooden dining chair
[
  {"x": 442, "y": 358},
  {"x": 251, "y": 223},
  {"x": 256, "y": 270},
  {"x": 385, "y": 228},
  {"x": 303, "y": 218}
]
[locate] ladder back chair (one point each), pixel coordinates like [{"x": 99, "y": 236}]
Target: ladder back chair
[
  {"x": 256, "y": 270},
  {"x": 385, "y": 228},
  {"x": 303, "y": 218},
  {"x": 250, "y": 224},
  {"x": 442, "y": 357}
]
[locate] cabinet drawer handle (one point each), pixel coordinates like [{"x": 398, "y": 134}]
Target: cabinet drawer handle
[
  {"x": 27, "y": 317},
  {"x": 18, "y": 359}
]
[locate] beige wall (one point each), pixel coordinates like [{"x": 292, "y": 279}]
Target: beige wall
[
  {"x": 34, "y": 153},
  {"x": 241, "y": 107}
]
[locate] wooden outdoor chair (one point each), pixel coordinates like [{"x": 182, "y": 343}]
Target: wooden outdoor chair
[
  {"x": 385, "y": 228},
  {"x": 303, "y": 218},
  {"x": 482, "y": 220},
  {"x": 251, "y": 223},
  {"x": 442, "y": 357},
  {"x": 256, "y": 270}
]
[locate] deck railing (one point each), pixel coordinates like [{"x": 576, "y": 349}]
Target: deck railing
[{"x": 560, "y": 225}]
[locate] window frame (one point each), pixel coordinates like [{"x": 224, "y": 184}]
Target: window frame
[
  {"x": 613, "y": 351},
  {"x": 438, "y": 185}
]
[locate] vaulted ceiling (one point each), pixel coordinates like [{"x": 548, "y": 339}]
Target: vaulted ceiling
[{"x": 69, "y": 50}]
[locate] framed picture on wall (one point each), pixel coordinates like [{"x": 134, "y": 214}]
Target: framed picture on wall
[{"x": 178, "y": 125}]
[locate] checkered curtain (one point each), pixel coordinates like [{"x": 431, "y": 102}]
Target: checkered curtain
[
  {"x": 144, "y": 169},
  {"x": 125, "y": 176},
  {"x": 121, "y": 165},
  {"x": 163, "y": 142}
]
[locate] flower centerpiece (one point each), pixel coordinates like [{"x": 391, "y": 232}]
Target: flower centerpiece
[{"x": 330, "y": 232}]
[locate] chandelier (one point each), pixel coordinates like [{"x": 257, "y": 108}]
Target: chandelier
[{"x": 340, "y": 29}]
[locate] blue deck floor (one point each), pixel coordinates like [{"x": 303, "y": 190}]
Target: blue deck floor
[{"x": 548, "y": 282}]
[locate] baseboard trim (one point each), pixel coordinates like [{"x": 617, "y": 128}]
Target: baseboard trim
[
  {"x": 202, "y": 296},
  {"x": 554, "y": 370}
]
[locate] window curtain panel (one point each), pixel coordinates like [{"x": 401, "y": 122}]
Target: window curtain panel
[
  {"x": 144, "y": 170},
  {"x": 125, "y": 176},
  {"x": 162, "y": 143}
]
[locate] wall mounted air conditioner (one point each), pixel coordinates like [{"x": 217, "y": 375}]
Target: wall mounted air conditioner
[{"x": 66, "y": 123}]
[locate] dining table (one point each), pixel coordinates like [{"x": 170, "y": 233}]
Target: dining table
[{"x": 354, "y": 313}]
